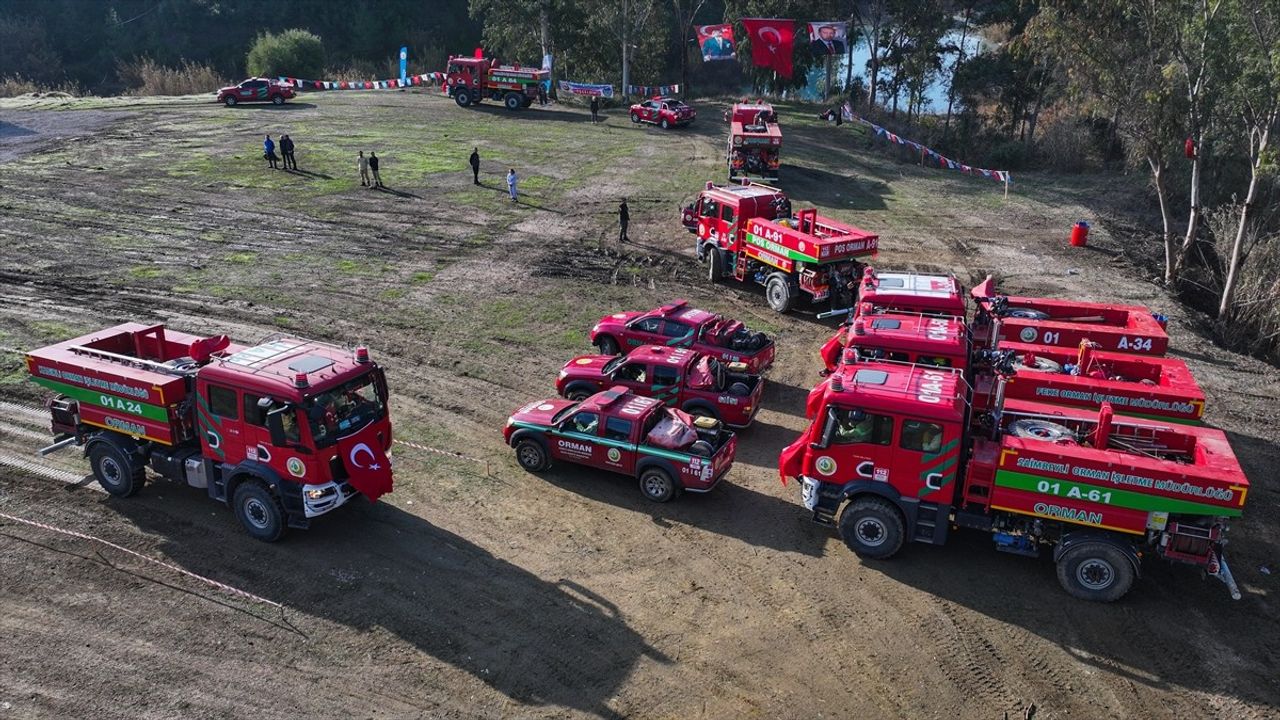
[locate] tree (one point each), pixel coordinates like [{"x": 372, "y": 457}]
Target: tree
[
  {"x": 295, "y": 52},
  {"x": 1115, "y": 54},
  {"x": 1198, "y": 51},
  {"x": 685, "y": 11},
  {"x": 870, "y": 18},
  {"x": 1255, "y": 36}
]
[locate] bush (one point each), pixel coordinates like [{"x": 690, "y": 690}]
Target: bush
[
  {"x": 146, "y": 77},
  {"x": 1008, "y": 155},
  {"x": 1066, "y": 144},
  {"x": 295, "y": 53},
  {"x": 15, "y": 85}
]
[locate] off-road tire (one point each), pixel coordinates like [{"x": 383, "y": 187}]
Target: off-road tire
[
  {"x": 777, "y": 292},
  {"x": 657, "y": 485},
  {"x": 1038, "y": 429},
  {"x": 1095, "y": 571},
  {"x": 739, "y": 389},
  {"x": 259, "y": 511},
  {"x": 608, "y": 346},
  {"x": 578, "y": 393},
  {"x": 872, "y": 528},
  {"x": 462, "y": 97},
  {"x": 115, "y": 473},
  {"x": 635, "y": 118},
  {"x": 715, "y": 264},
  {"x": 230, "y": 101},
  {"x": 702, "y": 448},
  {"x": 277, "y": 100},
  {"x": 531, "y": 455},
  {"x": 513, "y": 101},
  {"x": 666, "y": 124}
]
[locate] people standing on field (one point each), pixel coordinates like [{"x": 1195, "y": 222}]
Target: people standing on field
[
  {"x": 269, "y": 152},
  {"x": 286, "y": 152},
  {"x": 511, "y": 184},
  {"x": 624, "y": 218},
  {"x": 475, "y": 165},
  {"x": 595, "y": 109},
  {"x": 362, "y": 162},
  {"x": 373, "y": 167}
]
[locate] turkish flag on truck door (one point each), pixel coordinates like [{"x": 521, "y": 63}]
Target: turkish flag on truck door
[{"x": 367, "y": 465}]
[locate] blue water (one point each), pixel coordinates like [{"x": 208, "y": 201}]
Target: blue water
[{"x": 935, "y": 94}]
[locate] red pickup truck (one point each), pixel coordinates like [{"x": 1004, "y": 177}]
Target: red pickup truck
[
  {"x": 678, "y": 325},
  {"x": 696, "y": 383},
  {"x": 619, "y": 431},
  {"x": 256, "y": 89}
]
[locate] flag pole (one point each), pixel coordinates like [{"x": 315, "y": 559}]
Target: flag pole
[{"x": 1006, "y": 184}]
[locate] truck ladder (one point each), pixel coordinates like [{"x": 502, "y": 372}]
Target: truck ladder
[
  {"x": 127, "y": 360},
  {"x": 740, "y": 266}
]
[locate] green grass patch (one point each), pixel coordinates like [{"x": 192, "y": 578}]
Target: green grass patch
[
  {"x": 242, "y": 258},
  {"x": 145, "y": 272}
]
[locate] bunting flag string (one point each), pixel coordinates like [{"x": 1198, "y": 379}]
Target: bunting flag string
[
  {"x": 651, "y": 90},
  {"x": 586, "y": 89},
  {"x": 937, "y": 158},
  {"x": 431, "y": 78}
]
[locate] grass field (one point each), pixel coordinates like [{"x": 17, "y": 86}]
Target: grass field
[{"x": 476, "y": 590}]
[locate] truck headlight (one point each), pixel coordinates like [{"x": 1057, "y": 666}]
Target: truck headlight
[{"x": 318, "y": 493}]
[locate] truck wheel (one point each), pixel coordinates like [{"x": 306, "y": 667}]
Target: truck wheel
[
  {"x": 1096, "y": 571},
  {"x": 872, "y": 528},
  {"x": 512, "y": 101},
  {"x": 715, "y": 264},
  {"x": 657, "y": 485},
  {"x": 607, "y": 345},
  {"x": 635, "y": 118},
  {"x": 462, "y": 97},
  {"x": 230, "y": 101},
  {"x": 777, "y": 291},
  {"x": 114, "y": 472},
  {"x": 578, "y": 393},
  {"x": 703, "y": 448},
  {"x": 1027, "y": 313},
  {"x": 530, "y": 455},
  {"x": 666, "y": 125},
  {"x": 259, "y": 511},
  {"x": 739, "y": 390},
  {"x": 277, "y": 100}
]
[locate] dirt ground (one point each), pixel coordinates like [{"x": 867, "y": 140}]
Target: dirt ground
[{"x": 477, "y": 590}]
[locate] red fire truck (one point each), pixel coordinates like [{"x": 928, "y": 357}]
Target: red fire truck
[
  {"x": 283, "y": 432},
  {"x": 470, "y": 80},
  {"x": 748, "y": 232},
  {"x": 892, "y": 456},
  {"x": 755, "y": 141}
]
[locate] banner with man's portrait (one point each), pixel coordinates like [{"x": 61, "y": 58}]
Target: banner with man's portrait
[
  {"x": 828, "y": 38},
  {"x": 716, "y": 42}
]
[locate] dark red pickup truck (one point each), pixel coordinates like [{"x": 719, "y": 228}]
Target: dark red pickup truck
[
  {"x": 696, "y": 383},
  {"x": 619, "y": 431},
  {"x": 678, "y": 325}
]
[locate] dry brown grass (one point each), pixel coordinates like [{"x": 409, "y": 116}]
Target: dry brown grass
[
  {"x": 147, "y": 77},
  {"x": 14, "y": 85}
]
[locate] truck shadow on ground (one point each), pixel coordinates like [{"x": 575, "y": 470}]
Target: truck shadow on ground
[
  {"x": 731, "y": 510},
  {"x": 534, "y": 113},
  {"x": 537, "y": 642},
  {"x": 284, "y": 107}
]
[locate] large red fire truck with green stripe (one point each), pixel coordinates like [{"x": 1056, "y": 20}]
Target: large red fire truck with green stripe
[
  {"x": 896, "y": 453},
  {"x": 470, "y": 80},
  {"x": 748, "y": 232},
  {"x": 283, "y": 431}
]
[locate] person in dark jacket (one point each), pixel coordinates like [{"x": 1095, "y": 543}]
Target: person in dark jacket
[
  {"x": 475, "y": 165},
  {"x": 373, "y": 167},
  {"x": 286, "y": 152},
  {"x": 269, "y": 152},
  {"x": 595, "y": 109},
  {"x": 624, "y": 218}
]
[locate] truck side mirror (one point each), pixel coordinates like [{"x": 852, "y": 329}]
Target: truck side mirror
[
  {"x": 275, "y": 423},
  {"x": 828, "y": 430}
]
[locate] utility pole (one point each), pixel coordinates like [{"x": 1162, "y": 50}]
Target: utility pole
[{"x": 626, "y": 52}]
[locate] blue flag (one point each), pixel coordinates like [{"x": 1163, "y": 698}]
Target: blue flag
[{"x": 404, "y": 62}]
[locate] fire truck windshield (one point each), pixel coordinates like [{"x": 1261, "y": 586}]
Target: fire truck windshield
[{"x": 344, "y": 410}]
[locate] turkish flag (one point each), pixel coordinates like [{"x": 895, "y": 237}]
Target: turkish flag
[
  {"x": 367, "y": 465},
  {"x": 771, "y": 42}
]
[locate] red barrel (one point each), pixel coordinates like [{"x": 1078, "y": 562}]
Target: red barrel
[{"x": 1080, "y": 234}]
